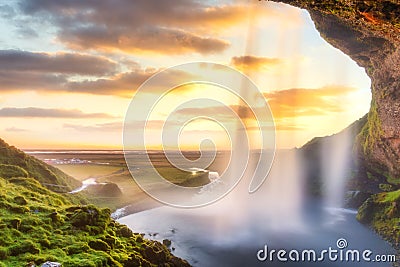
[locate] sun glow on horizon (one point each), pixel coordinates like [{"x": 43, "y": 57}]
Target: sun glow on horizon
[{"x": 64, "y": 87}]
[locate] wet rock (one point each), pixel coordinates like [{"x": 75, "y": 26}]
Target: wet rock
[{"x": 167, "y": 243}]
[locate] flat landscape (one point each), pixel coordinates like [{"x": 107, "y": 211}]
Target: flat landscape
[{"x": 110, "y": 167}]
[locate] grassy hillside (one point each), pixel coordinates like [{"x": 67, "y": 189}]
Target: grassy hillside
[
  {"x": 39, "y": 225},
  {"x": 44, "y": 173}
]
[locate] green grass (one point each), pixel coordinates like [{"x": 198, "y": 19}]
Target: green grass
[
  {"x": 37, "y": 225},
  {"x": 35, "y": 168},
  {"x": 392, "y": 196}
]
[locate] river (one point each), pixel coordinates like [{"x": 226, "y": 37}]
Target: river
[{"x": 233, "y": 230}]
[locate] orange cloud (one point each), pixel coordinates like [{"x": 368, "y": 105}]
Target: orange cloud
[
  {"x": 124, "y": 84},
  {"x": 254, "y": 63},
  {"x": 300, "y": 102}
]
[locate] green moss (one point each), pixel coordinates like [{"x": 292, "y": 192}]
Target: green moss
[
  {"x": 382, "y": 213},
  {"x": 39, "y": 225},
  {"x": 28, "y": 166},
  {"x": 55, "y": 229},
  {"x": 9, "y": 171},
  {"x": 391, "y": 179},
  {"x": 99, "y": 245},
  {"x": 371, "y": 132},
  {"x": 386, "y": 187},
  {"x": 391, "y": 196},
  {"x": 3, "y": 253}
]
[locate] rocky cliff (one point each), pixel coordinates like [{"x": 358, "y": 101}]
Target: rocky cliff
[{"x": 369, "y": 32}]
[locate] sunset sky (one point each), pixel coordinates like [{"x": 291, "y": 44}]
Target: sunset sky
[{"x": 68, "y": 69}]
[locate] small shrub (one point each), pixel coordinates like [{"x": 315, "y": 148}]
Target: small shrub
[
  {"x": 45, "y": 243},
  {"x": 20, "y": 200},
  {"x": 19, "y": 209},
  {"x": 110, "y": 240},
  {"x": 3, "y": 253},
  {"x": 24, "y": 247},
  {"x": 124, "y": 231},
  {"x": 139, "y": 238},
  {"x": 77, "y": 248},
  {"x": 79, "y": 260},
  {"x": 386, "y": 187},
  {"x": 15, "y": 223},
  {"x": 55, "y": 217}
]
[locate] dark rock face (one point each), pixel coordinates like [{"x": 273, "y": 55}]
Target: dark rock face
[{"x": 369, "y": 32}]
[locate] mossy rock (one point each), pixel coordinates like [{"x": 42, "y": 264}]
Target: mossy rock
[
  {"x": 99, "y": 245},
  {"x": 386, "y": 187},
  {"x": 167, "y": 243},
  {"x": 86, "y": 216},
  {"x": 382, "y": 213},
  {"x": 124, "y": 231},
  {"x": 366, "y": 212},
  {"x": 136, "y": 260},
  {"x": 155, "y": 252}
]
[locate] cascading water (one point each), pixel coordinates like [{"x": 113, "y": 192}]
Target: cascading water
[{"x": 229, "y": 232}]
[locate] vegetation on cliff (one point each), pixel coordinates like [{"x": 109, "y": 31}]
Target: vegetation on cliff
[
  {"x": 369, "y": 32},
  {"x": 382, "y": 212}
]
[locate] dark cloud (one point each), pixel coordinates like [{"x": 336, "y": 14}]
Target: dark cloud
[
  {"x": 49, "y": 113},
  {"x": 16, "y": 80},
  {"x": 175, "y": 26},
  {"x": 65, "y": 63},
  {"x": 250, "y": 63},
  {"x": 28, "y": 71},
  {"x": 169, "y": 41},
  {"x": 125, "y": 84}
]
